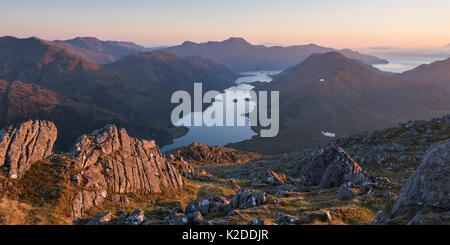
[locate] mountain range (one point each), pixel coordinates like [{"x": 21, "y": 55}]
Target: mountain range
[
  {"x": 325, "y": 92},
  {"x": 135, "y": 89},
  {"x": 100, "y": 51},
  {"x": 332, "y": 93},
  {"x": 240, "y": 55}
]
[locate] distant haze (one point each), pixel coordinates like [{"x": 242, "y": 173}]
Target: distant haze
[{"x": 334, "y": 23}]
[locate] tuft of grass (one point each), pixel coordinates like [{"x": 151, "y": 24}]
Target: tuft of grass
[{"x": 13, "y": 212}]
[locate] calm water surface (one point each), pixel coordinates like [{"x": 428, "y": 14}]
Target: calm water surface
[{"x": 221, "y": 135}]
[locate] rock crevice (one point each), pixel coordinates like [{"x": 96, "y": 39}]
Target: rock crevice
[{"x": 25, "y": 144}]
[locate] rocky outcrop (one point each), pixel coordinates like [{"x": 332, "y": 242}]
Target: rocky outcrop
[
  {"x": 270, "y": 177},
  {"x": 246, "y": 198},
  {"x": 345, "y": 193},
  {"x": 101, "y": 219},
  {"x": 331, "y": 167},
  {"x": 199, "y": 153},
  {"x": 25, "y": 144},
  {"x": 208, "y": 205},
  {"x": 135, "y": 218},
  {"x": 188, "y": 171},
  {"x": 260, "y": 222},
  {"x": 286, "y": 219},
  {"x": 428, "y": 189},
  {"x": 380, "y": 218},
  {"x": 111, "y": 162}
]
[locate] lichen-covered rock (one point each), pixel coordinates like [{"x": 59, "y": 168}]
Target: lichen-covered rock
[
  {"x": 208, "y": 205},
  {"x": 25, "y": 144},
  {"x": 246, "y": 198},
  {"x": 380, "y": 218},
  {"x": 134, "y": 218},
  {"x": 331, "y": 167},
  {"x": 113, "y": 162},
  {"x": 428, "y": 189},
  {"x": 441, "y": 218}
]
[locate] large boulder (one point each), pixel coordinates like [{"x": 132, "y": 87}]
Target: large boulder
[
  {"x": 270, "y": 177},
  {"x": 208, "y": 205},
  {"x": 246, "y": 198},
  {"x": 331, "y": 167},
  {"x": 428, "y": 189},
  {"x": 113, "y": 162},
  {"x": 25, "y": 144}
]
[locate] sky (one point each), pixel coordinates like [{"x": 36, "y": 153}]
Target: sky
[{"x": 334, "y": 23}]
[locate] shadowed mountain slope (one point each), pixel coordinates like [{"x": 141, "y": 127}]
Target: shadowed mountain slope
[
  {"x": 332, "y": 93},
  {"x": 137, "y": 87},
  {"x": 99, "y": 51},
  {"x": 438, "y": 71},
  {"x": 23, "y": 101}
]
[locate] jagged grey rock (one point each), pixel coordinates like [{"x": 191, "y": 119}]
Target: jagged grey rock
[
  {"x": 260, "y": 222},
  {"x": 135, "y": 218},
  {"x": 345, "y": 193},
  {"x": 178, "y": 219},
  {"x": 286, "y": 219},
  {"x": 246, "y": 198},
  {"x": 25, "y": 144},
  {"x": 186, "y": 170},
  {"x": 195, "y": 218},
  {"x": 208, "y": 205},
  {"x": 429, "y": 187},
  {"x": 380, "y": 218},
  {"x": 330, "y": 167},
  {"x": 113, "y": 162},
  {"x": 100, "y": 219}
]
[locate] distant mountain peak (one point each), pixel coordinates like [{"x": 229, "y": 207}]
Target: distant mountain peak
[
  {"x": 237, "y": 40},
  {"x": 328, "y": 65},
  {"x": 331, "y": 56},
  {"x": 87, "y": 38},
  {"x": 311, "y": 45},
  {"x": 188, "y": 43}
]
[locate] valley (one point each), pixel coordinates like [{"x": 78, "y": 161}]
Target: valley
[{"x": 87, "y": 137}]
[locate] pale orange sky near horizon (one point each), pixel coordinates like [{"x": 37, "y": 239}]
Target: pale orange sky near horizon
[{"x": 334, "y": 23}]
